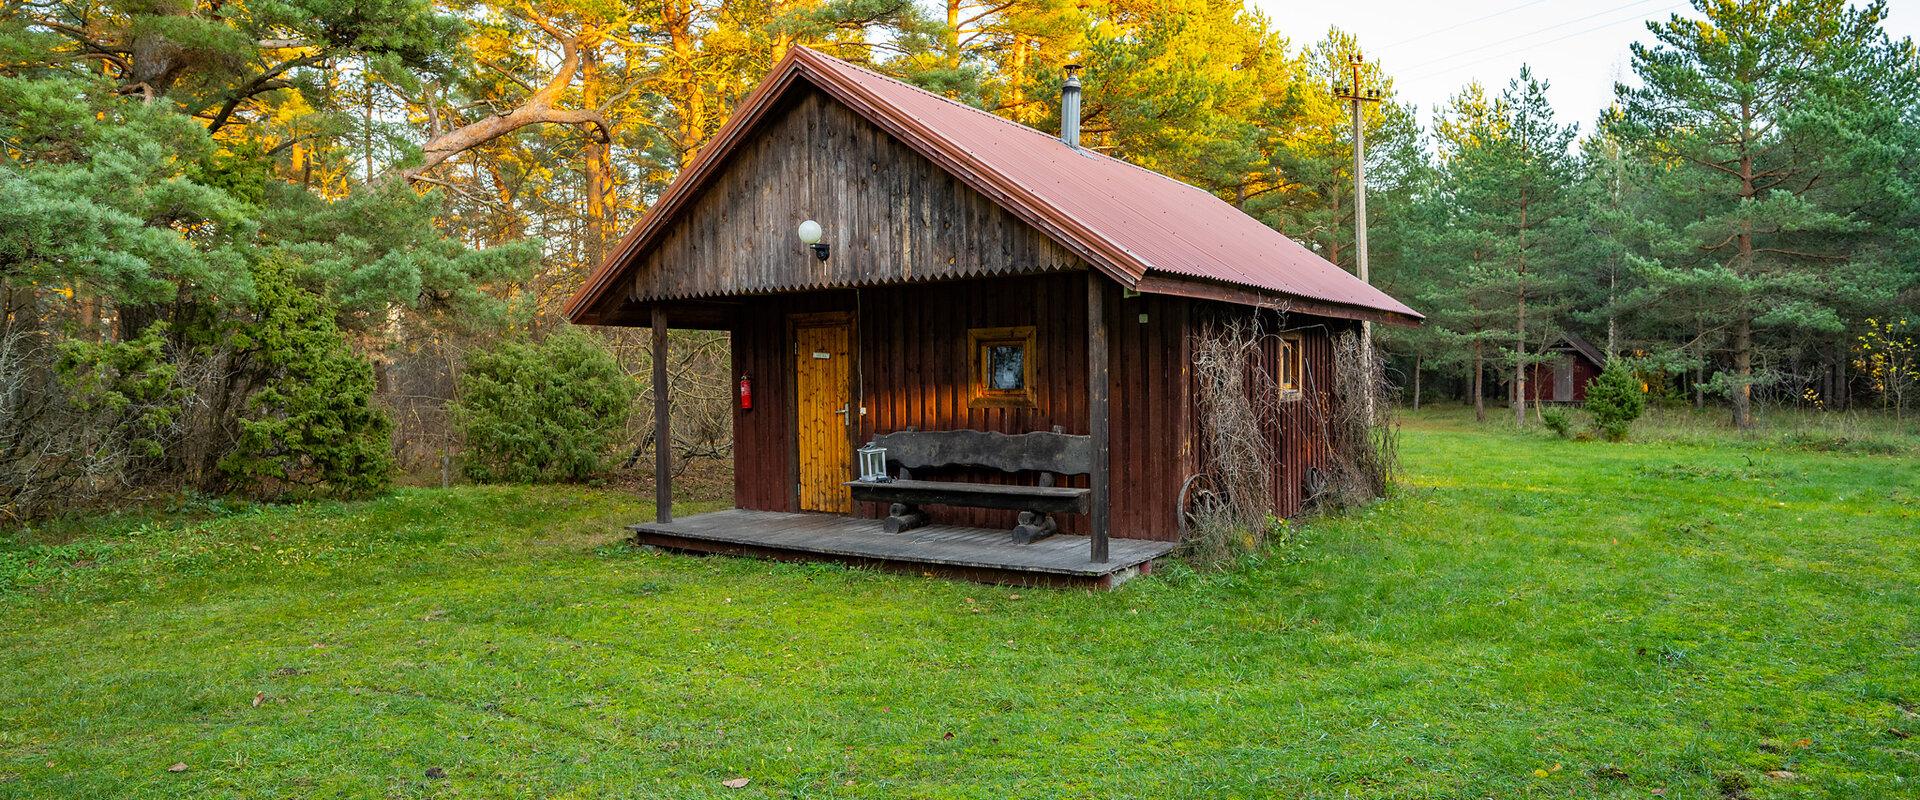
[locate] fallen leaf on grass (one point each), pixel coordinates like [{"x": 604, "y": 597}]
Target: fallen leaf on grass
[
  {"x": 1779, "y": 775},
  {"x": 258, "y": 698},
  {"x": 177, "y": 768},
  {"x": 737, "y": 783}
]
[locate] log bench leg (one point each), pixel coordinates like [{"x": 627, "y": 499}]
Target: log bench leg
[
  {"x": 904, "y": 517},
  {"x": 1033, "y": 527}
]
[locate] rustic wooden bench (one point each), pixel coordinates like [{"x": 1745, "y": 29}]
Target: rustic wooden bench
[{"x": 1048, "y": 453}]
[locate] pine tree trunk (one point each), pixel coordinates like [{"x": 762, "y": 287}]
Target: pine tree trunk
[
  {"x": 1743, "y": 325},
  {"x": 692, "y": 98},
  {"x": 1416, "y": 382},
  {"x": 599, "y": 165},
  {"x": 1479, "y": 384},
  {"x": 952, "y": 43},
  {"x": 1017, "y": 80},
  {"x": 1699, "y": 392},
  {"x": 1520, "y": 365},
  {"x": 1842, "y": 390},
  {"x": 1520, "y": 327},
  {"x": 1743, "y": 372}
]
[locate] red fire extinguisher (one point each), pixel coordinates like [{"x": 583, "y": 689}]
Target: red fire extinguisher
[{"x": 746, "y": 391}]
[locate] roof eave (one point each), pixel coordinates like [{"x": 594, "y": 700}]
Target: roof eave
[{"x": 1203, "y": 289}]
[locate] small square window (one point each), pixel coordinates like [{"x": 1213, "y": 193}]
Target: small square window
[
  {"x": 1006, "y": 368},
  {"x": 1000, "y": 363},
  {"x": 1292, "y": 373}
]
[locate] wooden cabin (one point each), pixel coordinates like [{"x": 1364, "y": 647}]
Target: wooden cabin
[
  {"x": 1574, "y": 362},
  {"x": 1011, "y": 316}
]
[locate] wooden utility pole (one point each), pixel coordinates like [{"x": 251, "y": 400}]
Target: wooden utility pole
[{"x": 1358, "y": 96}]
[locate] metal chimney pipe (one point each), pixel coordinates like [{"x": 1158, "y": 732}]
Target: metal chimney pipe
[{"x": 1070, "y": 107}]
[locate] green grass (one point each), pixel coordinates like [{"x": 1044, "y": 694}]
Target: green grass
[{"x": 1531, "y": 618}]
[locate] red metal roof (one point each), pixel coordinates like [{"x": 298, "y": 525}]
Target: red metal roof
[{"x": 1129, "y": 222}]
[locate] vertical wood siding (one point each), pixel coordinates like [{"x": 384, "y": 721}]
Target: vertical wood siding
[
  {"x": 889, "y": 216},
  {"x": 913, "y": 373},
  {"x": 1540, "y": 381},
  {"x": 1300, "y": 438},
  {"x": 1298, "y": 434}
]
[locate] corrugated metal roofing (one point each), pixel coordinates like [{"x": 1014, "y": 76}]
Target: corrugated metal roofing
[{"x": 1129, "y": 221}]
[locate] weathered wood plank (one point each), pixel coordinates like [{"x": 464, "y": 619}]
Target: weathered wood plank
[
  {"x": 817, "y": 159},
  {"x": 1052, "y": 499},
  {"x": 1062, "y": 554},
  {"x": 1038, "y": 451}
]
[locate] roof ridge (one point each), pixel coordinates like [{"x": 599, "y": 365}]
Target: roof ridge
[{"x": 1082, "y": 151}]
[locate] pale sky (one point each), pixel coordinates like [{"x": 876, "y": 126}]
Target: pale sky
[{"x": 1434, "y": 47}]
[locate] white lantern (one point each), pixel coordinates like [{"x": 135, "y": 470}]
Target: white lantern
[
  {"x": 810, "y": 236},
  {"x": 873, "y": 463}
]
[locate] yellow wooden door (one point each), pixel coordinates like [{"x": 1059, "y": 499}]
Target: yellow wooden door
[{"x": 822, "y": 365}]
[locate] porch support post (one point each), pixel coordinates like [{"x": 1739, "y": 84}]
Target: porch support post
[
  {"x": 662, "y": 423},
  {"x": 1097, "y": 413}
]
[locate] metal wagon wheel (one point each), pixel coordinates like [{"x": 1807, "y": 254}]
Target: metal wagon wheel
[{"x": 1197, "y": 498}]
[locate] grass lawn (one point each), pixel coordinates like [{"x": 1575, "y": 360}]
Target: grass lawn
[{"x": 1530, "y": 618}]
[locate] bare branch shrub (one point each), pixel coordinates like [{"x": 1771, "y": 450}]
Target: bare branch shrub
[
  {"x": 702, "y": 389},
  {"x": 79, "y": 443},
  {"x": 1363, "y": 436},
  {"x": 1230, "y": 508}
]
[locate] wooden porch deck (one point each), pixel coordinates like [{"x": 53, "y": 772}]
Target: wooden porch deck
[{"x": 976, "y": 554}]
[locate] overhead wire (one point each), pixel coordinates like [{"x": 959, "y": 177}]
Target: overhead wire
[
  {"x": 1459, "y": 25},
  {"x": 1415, "y": 70},
  {"x": 1414, "y": 74}
]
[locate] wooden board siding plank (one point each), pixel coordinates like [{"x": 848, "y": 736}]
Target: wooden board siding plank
[
  {"x": 825, "y": 534},
  {"x": 913, "y": 373},
  {"x": 890, "y": 216}
]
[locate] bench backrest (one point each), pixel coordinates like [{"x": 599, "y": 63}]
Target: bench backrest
[{"x": 1040, "y": 451}]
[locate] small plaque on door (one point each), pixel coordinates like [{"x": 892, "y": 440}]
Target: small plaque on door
[{"x": 818, "y": 354}]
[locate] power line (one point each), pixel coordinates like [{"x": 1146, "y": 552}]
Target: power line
[
  {"x": 1410, "y": 75},
  {"x": 1457, "y": 26},
  {"x": 1408, "y": 71}
]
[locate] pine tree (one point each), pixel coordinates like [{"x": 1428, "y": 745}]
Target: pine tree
[
  {"x": 1507, "y": 171},
  {"x": 1759, "y": 103}
]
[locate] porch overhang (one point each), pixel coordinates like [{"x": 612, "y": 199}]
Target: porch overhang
[{"x": 1200, "y": 289}]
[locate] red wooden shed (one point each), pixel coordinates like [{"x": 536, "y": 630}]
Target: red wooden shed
[
  {"x": 1575, "y": 362},
  {"x": 1008, "y": 315}
]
